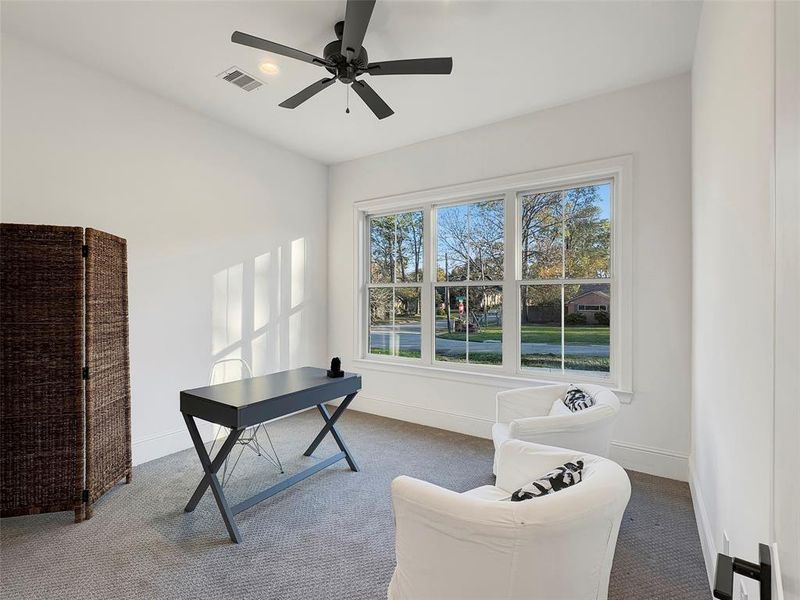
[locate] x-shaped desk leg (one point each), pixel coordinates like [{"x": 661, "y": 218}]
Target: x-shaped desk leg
[
  {"x": 210, "y": 478},
  {"x": 330, "y": 421}
]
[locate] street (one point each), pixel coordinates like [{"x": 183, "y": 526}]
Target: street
[{"x": 408, "y": 336}]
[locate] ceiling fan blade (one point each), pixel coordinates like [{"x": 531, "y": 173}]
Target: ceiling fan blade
[
  {"x": 371, "y": 99},
  {"x": 245, "y": 39},
  {"x": 414, "y": 66},
  {"x": 305, "y": 94},
  {"x": 356, "y": 18}
]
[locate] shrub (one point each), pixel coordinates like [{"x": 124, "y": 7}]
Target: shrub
[
  {"x": 601, "y": 317},
  {"x": 575, "y": 319}
]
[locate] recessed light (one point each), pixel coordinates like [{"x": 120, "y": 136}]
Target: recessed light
[{"x": 269, "y": 68}]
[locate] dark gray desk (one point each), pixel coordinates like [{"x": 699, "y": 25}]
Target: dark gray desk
[{"x": 240, "y": 404}]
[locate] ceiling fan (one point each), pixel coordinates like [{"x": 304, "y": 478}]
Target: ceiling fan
[{"x": 346, "y": 59}]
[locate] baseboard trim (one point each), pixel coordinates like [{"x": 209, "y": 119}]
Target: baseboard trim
[
  {"x": 651, "y": 460},
  {"x": 162, "y": 444},
  {"x": 432, "y": 417},
  {"x": 654, "y": 461},
  {"x": 703, "y": 526},
  {"x": 647, "y": 459}
]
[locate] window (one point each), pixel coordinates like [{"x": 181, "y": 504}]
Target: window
[
  {"x": 395, "y": 281},
  {"x": 565, "y": 252},
  {"x": 468, "y": 304},
  {"x": 522, "y": 276}
]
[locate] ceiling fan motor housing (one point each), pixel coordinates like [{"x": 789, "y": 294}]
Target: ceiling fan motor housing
[{"x": 344, "y": 71}]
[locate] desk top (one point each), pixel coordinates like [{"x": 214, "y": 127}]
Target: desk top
[{"x": 250, "y": 401}]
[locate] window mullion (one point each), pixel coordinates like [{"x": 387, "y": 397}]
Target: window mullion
[
  {"x": 427, "y": 320},
  {"x": 511, "y": 304},
  {"x": 562, "y": 328},
  {"x": 467, "y": 313},
  {"x": 391, "y": 285},
  {"x": 363, "y": 232},
  {"x": 563, "y": 273},
  {"x": 583, "y": 281}
]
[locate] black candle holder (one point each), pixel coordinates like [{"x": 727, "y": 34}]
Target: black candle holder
[{"x": 336, "y": 368}]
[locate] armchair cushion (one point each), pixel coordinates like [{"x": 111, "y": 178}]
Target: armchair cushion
[
  {"x": 559, "y": 408},
  {"x": 527, "y": 402},
  {"x": 559, "y": 478},
  {"x": 488, "y": 492}
]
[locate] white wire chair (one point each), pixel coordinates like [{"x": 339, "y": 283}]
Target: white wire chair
[{"x": 249, "y": 438}]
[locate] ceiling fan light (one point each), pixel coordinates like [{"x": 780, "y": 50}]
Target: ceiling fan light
[{"x": 269, "y": 68}]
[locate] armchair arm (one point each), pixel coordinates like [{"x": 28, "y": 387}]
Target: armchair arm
[
  {"x": 527, "y": 402},
  {"x": 448, "y": 510},
  {"x": 449, "y": 545},
  {"x": 587, "y": 418}
]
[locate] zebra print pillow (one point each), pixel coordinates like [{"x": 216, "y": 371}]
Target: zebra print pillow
[
  {"x": 576, "y": 399},
  {"x": 559, "y": 478}
]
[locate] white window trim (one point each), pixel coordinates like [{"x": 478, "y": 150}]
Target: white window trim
[
  {"x": 618, "y": 169},
  {"x": 394, "y": 284}
]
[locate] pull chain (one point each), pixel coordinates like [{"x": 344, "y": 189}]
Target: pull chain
[{"x": 348, "y": 100}]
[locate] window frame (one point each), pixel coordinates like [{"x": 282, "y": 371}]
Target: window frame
[
  {"x": 616, "y": 170},
  {"x": 369, "y": 285},
  {"x": 466, "y": 283},
  {"x": 565, "y": 374}
]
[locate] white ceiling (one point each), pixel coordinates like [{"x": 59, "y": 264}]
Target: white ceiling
[{"x": 510, "y": 58}]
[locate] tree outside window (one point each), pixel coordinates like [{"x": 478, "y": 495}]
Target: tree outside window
[{"x": 566, "y": 266}]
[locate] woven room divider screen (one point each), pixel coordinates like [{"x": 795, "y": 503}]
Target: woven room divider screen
[{"x": 65, "y": 371}]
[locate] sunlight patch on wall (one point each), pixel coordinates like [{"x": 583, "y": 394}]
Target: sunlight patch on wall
[
  {"x": 264, "y": 351},
  {"x": 260, "y": 354},
  {"x": 226, "y": 308},
  {"x": 295, "y": 339},
  {"x": 258, "y": 307},
  {"x": 298, "y": 271},
  {"x": 261, "y": 296}
]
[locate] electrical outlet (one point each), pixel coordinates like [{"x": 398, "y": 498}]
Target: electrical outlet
[
  {"x": 726, "y": 543},
  {"x": 743, "y": 591}
]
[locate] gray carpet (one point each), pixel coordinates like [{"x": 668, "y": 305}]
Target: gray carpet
[{"x": 330, "y": 537}]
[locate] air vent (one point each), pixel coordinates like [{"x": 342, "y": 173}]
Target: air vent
[{"x": 241, "y": 79}]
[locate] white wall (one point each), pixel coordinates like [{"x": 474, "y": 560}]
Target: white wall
[
  {"x": 651, "y": 122},
  {"x": 226, "y": 234},
  {"x": 786, "y": 496},
  {"x": 733, "y": 294}
]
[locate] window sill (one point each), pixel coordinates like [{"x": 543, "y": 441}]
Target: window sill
[{"x": 484, "y": 378}]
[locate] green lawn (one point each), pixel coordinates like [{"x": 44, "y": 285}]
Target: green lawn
[
  {"x": 481, "y": 358},
  {"x": 572, "y": 362},
  {"x": 541, "y": 334},
  {"x": 540, "y": 361}
]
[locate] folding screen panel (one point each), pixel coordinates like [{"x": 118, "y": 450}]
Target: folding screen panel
[
  {"x": 108, "y": 396},
  {"x": 41, "y": 391}
]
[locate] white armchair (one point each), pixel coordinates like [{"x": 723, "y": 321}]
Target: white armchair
[
  {"x": 524, "y": 414},
  {"x": 476, "y": 546}
]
